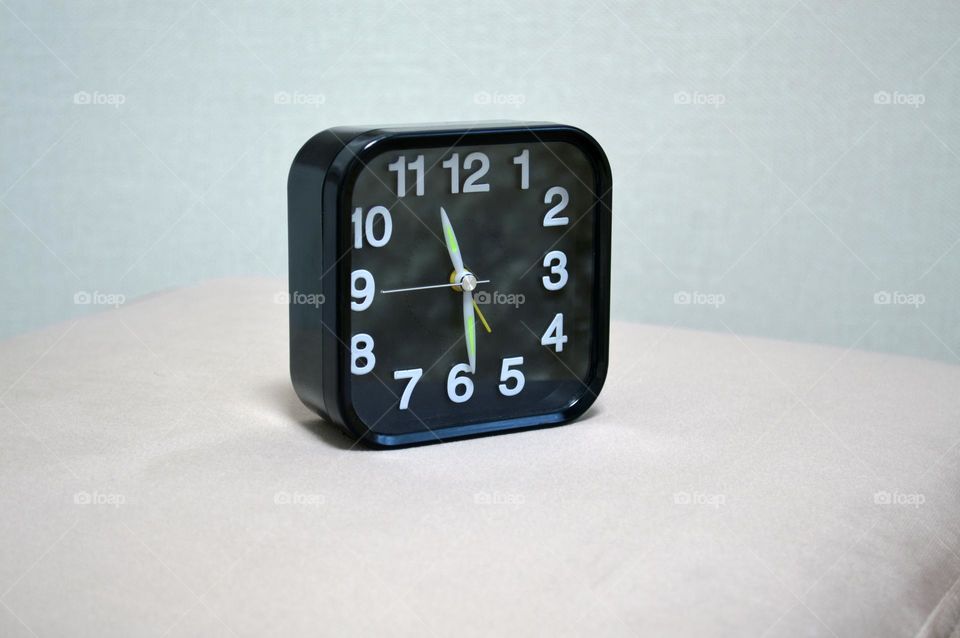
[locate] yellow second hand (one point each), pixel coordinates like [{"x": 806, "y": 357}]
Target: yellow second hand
[{"x": 483, "y": 319}]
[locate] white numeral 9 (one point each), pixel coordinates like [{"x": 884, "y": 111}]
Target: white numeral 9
[
  {"x": 454, "y": 381},
  {"x": 412, "y": 375},
  {"x": 506, "y": 374},
  {"x": 360, "y": 229},
  {"x": 556, "y": 261},
  {"x": 551, "y": 219},
  {"x": 364, "y": 293},
  {"x": 361, "y": 349}
]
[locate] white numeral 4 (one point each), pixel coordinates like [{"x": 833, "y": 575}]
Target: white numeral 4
[
  {"x": 412, "y": 375},
  {"x": 506, "y": 374},
  {"x": 554, "y": 335}
]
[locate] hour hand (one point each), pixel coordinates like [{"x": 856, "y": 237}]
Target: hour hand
[{"x": 452, "y": 246}]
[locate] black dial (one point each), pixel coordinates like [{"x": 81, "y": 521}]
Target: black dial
[{"x": 471, "y": 274}]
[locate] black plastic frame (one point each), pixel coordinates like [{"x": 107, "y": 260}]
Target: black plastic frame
[{"x": 324, "y": 173}]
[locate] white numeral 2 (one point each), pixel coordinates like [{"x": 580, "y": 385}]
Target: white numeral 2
[{"x": 551, "y": 219}]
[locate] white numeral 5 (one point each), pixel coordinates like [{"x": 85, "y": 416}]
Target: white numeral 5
[
  {"x": 551, "y": 219},
  {"x": 506, "y": 374}
]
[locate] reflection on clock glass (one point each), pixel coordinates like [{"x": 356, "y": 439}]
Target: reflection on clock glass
[{"x": 520, "y": 233}]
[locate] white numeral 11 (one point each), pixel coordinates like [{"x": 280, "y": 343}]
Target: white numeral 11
[{"x": 400, "y": 167}]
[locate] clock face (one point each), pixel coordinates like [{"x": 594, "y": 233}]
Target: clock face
[{"x": 515, "y": 223}]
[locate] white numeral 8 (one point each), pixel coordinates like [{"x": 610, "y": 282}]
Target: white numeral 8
[{"x": 361, "y": 349}]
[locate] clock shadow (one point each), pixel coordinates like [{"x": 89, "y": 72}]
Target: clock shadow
[{"x": 280, "y": 395}]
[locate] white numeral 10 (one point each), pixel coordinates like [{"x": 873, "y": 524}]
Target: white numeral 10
[
  {"x": 554, "y": 335},
  {"x": 400, "y": 167},
  {"x": 412, "y": 375},
  {"x": 361, "y": 230},
  {"x": 506, "y": 374}
]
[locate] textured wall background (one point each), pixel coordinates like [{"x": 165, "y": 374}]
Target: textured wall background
[{"x": 782, "y": 166}]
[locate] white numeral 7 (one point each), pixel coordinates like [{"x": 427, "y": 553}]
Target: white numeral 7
[{"x": 413, "y": 375}]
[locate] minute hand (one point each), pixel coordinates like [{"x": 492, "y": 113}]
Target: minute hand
[{"x": 467, "y": 283}]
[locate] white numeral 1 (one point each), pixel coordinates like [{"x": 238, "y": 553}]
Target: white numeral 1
[
  {"x": 453, "y": 163},
  {"x": 554, "y": 335},
  {"x": 523, "y": 159},
  {"x": 413, "y": 375},
  {"x": 506, "y": 374}
]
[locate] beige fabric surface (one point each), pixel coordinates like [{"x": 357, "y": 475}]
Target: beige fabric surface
[{"x": 160, "y": 478}]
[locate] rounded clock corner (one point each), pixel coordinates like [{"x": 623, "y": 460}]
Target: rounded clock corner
[{"x": 589, "y": 144}]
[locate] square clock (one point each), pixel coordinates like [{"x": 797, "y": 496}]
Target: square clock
[{"x": 450, "y": 280}]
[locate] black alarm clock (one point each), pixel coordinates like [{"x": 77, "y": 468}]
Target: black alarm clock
[{"x": 450, "y": 280}]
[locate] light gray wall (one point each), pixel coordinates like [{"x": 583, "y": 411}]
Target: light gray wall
[{"x": 753, "y": 157}]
